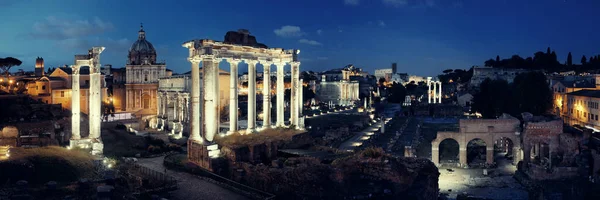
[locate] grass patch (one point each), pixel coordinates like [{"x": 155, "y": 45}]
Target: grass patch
[
  {"x": 40, "y": 165},
  {"x": 237, "y": 140}
]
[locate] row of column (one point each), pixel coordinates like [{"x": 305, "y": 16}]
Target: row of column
[
  {"x": 210, "y": 100},
  {"x": 180, "y": 110},
  {"x": 434, "y": 91}
]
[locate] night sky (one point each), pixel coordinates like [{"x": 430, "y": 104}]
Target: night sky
[{"x": 423, "y": 36}]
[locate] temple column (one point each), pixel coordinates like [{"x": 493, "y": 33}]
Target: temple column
[
  {"x": 195, "y": 125},
  {"x": 294, "y": 93},
  {"x": 159, "y": 110},
  {"x": 175, "y": 114},
  {"x": 75, "y": 104},
  {"x": 251, "y": 96},
  {"x": 95, "y": 101},
  {"x": 210, "y": 87},
  {"x": 266, "y": 94},
  {"x": 233, "y": 95},
  {"x": 428, "y": 89},
  {"x": 434, "y": 92},
  {"x": 440, "y": 92},
  {"x": 280, "y": 94}
]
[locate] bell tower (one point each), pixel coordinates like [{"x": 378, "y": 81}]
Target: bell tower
[{"x": 39, "y": 67}]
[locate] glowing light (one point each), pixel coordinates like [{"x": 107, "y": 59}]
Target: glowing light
[
  {"x": 109, "y": 166},
  {"x": 370, "y": 133},
  {"x": 69, "y": 148},
  {"x": 365, "y": 138},
  {"x": 357, "y": 144}
]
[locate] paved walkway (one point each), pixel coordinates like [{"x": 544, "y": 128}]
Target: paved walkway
[
  {"x": 191, "y": 186},
  {"x": 356, "y": 141}
]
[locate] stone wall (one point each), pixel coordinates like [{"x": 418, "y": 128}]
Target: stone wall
[{"x": 489, "y": 125}]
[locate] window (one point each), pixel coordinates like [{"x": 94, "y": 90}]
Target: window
[
  {"x": 62, "y": 93},
  {"x": 87, "y": 82},
  {"x": 596, "y": 117},
  {"x": 145, "y": 77},
  {"x": 43, "y": 87}
]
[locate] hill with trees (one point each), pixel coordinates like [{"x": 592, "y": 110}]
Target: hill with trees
[{"x": 546, "y": 61}]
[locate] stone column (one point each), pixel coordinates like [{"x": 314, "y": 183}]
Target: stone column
[
  {"x": 300, "y": 97},
  {"x": 295, "y": 68},
  {"x": 462, "y": 155},
  {"x": 210, "y": 92},
  {"x": 440, "y": 92},
  {"x": 175, "y": 108},
  {"x": 428, "y": 89},
  {"x": 75, "y": 104},
  {"x": 251, "y": 96},
  {"x": 266, "y": 94},
  {"x": 195, "y": 125},
  {"x": 489, "y": 154},
  {"x": 95, "y": 101},
  {"x": 435, "y": 154},
  {"x": 233, "y": 95},
  {"x": 280, "y": 94}
]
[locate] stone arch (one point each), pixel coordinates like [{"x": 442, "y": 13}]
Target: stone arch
[
  {"x": 449, "y": 151},
  {"x": 477, "y": 150}
]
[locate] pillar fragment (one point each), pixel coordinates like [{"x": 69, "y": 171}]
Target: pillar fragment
[{"x": 210, "y": 95}]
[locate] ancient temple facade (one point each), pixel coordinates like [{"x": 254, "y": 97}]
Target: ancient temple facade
[{"x": 142, "y": 74}]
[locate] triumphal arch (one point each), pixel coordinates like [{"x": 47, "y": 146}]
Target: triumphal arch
[
  {"x": 204, "y": 114},
  {"x": 506, "y": 128}
]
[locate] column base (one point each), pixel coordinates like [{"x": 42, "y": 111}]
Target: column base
[
  {"x": 250, "y": 130},
  {"x": 230, "y": 132},
  {"x": 203, "y": 154},
  {"x": 80, "y": 143},
  {"x": 97, "y": 148}
]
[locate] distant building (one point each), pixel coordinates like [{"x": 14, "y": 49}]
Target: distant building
[
  {"x": 482, "y": 73},
  {"x": 560, "y": 90},
  {"x": 39, "y": 67},
  {"x": 582, "y": 107},
  {"x": 384, "y": 73},
  {"x": 341, "y": 90}
]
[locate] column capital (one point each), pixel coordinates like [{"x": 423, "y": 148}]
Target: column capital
[
  {"x": 233, "y": 60},
  {"x": 279, "y": 64},
  {"x": 208, "y": 57},
  {"x": 195, "y": 60},
  {"x": 253, "y": 62},
  {"x": 266, "y": 62},
  {"x": 295, "y": 63},
  {"x": 75, "y": 69}
]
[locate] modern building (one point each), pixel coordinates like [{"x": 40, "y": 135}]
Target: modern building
[{"x": 582, "y": 108}]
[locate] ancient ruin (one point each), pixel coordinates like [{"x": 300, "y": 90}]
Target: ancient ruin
[
  {"x": 234, "y": 50},
  {"x": 92, "y": 60}
]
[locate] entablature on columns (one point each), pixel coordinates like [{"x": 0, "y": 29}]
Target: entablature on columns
[{"x": 199, "y": 48}]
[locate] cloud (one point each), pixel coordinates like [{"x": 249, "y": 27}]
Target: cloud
[
  {"x": 319, "y": 32},
  {"x": 395, "y": 3},
  {"x": 289, "y": 31},
  {"x": 351, "y": 2},
  {"x": 309, "y": 42},
  {"x": 54, "y": 28},
  {"x": 81, "y": 44},
  {"x": 381, "y": 23}
]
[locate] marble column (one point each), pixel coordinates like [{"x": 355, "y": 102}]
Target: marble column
[
  {"x": 75, "y": 104},
  {"x": 434, "y": 92},
  {"x": 266, "y": 94},
  {"x": 210, "y": 86},
  {"x": 195, "y": 125},
  {"x": 429, "y": 90},
  {"x": 300, "y": 98},
  {"x": 440, "y": 92},
  {"x": 294, "y": 93},
  {"x": 251, "y": 96},
  {"x": 175, "y": 108},
  {"x": 95, "y": 101},
  {"x": 233, "y": 95},
  {"x": 280, "y": 94}
]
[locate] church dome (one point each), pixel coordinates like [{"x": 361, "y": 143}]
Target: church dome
[{"x": 142, "y": 52}]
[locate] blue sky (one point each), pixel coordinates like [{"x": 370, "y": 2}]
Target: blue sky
[{"x": 423, "y": 36}]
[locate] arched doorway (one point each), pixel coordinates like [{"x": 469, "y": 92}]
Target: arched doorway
[
  {"x": 476, "y": 152},
  {"x": 145, "y": 101},
  {"x": 448, "y": 150}
]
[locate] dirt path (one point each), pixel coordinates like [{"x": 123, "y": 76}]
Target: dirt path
[{"x": 191, "y": 186}]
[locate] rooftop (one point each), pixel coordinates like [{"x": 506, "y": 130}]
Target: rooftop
[{"x": 586, "y": 93}]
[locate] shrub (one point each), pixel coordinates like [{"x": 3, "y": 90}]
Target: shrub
[
  {"x": 174, "y": 147},
  {"x": 154, "y": 149},
  {"x": 120, "y": 126},
  {"x": 372, "y": 152}
]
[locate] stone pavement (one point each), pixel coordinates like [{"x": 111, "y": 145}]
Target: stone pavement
[{"x": 191, "y": 186}]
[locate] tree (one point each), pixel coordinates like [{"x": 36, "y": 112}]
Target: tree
[
  {"x": 447, "y": 71},
  {"x": 569, "y": 59},
  {"x": 381, "y": 81},
  {"x": 397, "y": 93},
  {"x": 490, "y": 63},
  {"x": 532, "y": 94},
  {"x": 493, "y": 98},
  {"x": 498, "y": 59},
  {"x": 307, "y": 94},
  {"x": 7, "y": 63},
  {"x": 583, "y": 60},
  {"x": 411, "y": 87}
]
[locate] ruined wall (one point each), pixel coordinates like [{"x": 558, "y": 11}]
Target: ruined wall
[
  {"x": 543, "y": 132},
  {"x": 488, "y": 125}
]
